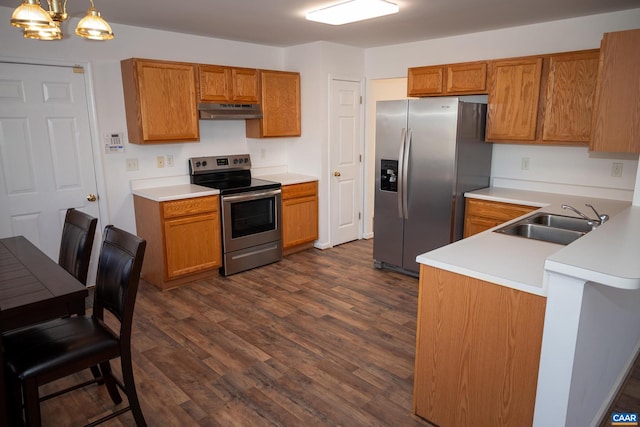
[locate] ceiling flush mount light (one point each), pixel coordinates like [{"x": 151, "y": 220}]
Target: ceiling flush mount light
[
  {"x": 41, "y": 24},
  {"x": 352, "y": 11}
]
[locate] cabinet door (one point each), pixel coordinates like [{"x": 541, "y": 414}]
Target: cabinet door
[
  {"x": 424, "y": 81},
  {"x": 477, "y": 351},
  {"x": 160, "y": 101},
  {"x": 477, "y": 224},
  {"x": 513, "y": 99},
  {"x": 616, "y": 120},
  {"x": 214, "y": 83},
  {"x": 192, "y": 244},
  {"x": 467, "y": 78},
  {"x": 570, "y": 93},
  {"x": 280, "y": 101},
  {"x": 227, "y": 84},
  {"x": 299, "y": 221},
  {"x": 245, "y": 85},
  {"x": 299, "y": 214},
  {"x": 481, "y": 215}
]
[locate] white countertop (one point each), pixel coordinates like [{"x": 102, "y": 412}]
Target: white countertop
[
  {"x": 519, "y": 263},
  {"x": 610, "y": 257},
  {"x": 174, "y": 192},
  {"x": 288, "y": 178}
]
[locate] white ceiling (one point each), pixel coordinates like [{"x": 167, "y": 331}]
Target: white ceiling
[{"x": 282, "y": 23}]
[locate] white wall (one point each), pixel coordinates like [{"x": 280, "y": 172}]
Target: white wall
[
  {"x": 552, "y": 168},
  {"x": 103, "y": 58},
  {"x": 317, "y": 64}
]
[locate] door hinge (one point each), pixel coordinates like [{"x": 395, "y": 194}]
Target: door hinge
[
  {"x": 360, "y": 157},
  {"x": 360, "y": 99},
  {"x": 78, "y": 69},
  {"x": 359, "y": 215}
]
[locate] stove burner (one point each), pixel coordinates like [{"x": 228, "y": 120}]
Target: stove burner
[{"x": 229, "y": 174}]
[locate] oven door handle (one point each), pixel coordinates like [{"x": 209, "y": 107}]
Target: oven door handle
[{"x": 251, "y": 195}]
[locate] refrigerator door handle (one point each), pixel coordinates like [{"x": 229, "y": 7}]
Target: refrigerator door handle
[
  {"x": 405, "y": 173},
  {"x": 403, "y": 136}
]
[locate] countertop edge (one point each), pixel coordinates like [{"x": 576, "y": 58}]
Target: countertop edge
[
  {"x": 535, "y": 290},
  {"x": 175, "y": 192},
  {"x": 579, "y": 259},
  {"x": 288, "y": 178}
]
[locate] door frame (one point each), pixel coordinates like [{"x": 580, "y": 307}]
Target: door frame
[
  {"x": 93, "y": 123},
  {"x": 361, "y": 81}
]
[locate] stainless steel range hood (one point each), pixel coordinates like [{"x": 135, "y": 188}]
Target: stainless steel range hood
[{"x": 210, "y": 111}]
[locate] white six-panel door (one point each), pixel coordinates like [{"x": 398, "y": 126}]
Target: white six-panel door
[
  {"x": 346, "y": 182},
  {"x": 46, "y": 158}
]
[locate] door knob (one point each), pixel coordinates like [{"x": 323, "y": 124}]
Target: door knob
[
  {"x": 92, "y": 197},
  {"x": 336, "y": 173}
]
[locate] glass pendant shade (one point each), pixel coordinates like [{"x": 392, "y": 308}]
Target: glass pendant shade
[
  {"x": 31, "y": 15},
  {"x": 42, "y": 24},
  {"x": 52, "y": 32},
  {"x": 93, "y": 27}
]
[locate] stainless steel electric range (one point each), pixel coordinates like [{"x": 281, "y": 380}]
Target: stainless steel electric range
[{"x": 250, "y": 211}]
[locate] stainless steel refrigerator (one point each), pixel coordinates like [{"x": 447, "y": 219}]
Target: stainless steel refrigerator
[{"x": 429, "y": 152}]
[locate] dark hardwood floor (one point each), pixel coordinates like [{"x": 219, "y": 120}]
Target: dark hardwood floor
[{"x": 318, "y": 339}]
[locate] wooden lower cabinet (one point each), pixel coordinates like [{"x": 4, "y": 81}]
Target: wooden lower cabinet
[
  {"x": 481, "y": 215},
  {"x": 299, "y": 216},
  {"x": 477, "y": 351},
  {"x": 183, "y": 239}
]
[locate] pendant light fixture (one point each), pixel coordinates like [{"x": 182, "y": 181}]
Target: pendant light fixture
[{"x": 41, "y": 24}]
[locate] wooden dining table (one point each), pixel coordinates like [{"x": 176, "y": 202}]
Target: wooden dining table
[{"x": 33, "y": 289}]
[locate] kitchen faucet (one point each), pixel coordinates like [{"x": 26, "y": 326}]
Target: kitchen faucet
[{"x": 592, "y": 222}]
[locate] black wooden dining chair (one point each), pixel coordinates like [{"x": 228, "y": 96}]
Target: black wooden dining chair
[
  {"x": 76, "y": 243},
  {"x": 48, "y": 351}
]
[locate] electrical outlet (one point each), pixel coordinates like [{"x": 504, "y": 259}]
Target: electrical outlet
[
  {"x": 160, "y": 161},
  {"x": 132, "y": 165},
  {"x": 616, "y": 169},
  {"x": 169, "y": 160},
  {"x": 524, "y": 164}
]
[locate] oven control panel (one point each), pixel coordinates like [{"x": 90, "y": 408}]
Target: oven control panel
[{"x": 219, "y": 163}]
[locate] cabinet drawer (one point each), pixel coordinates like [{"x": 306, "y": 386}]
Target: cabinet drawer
[
  {"x": 299, "y": 190},
  {"x": 496, "y": 210},
  {"x": 176, "y": 208}
]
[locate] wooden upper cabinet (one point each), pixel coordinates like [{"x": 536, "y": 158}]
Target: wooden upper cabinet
[
  {"x": 425, "y": 81},
  {"x": 616, "y": 118},
  {"x": 228, "y": 84},
  {"x": 470, "y": 78},
  {"x": 568, "y": 104},
  {"x": 280, "y": 102},
  {"x": 452, "y": 79},
  {"x": 514, "y": 89},
  {"x": 160, "y": 101}
]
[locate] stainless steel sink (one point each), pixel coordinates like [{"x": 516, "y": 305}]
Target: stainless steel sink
[
  {"x": 561, "y": 221},
  {"x": 548, "y": 227}
]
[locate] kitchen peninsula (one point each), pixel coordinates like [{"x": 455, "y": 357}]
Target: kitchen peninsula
[{"x": 515, "y": 331}]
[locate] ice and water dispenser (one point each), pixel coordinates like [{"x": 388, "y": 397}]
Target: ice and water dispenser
[{"x": 389, "y": 175}]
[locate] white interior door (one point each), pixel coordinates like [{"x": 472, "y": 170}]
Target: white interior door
[
  {"x": 46, "y": 158},
  {"x": 346, "y": 161}
]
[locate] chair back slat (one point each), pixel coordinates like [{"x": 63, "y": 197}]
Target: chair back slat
[
  {"x": 76, "y": 243},
  {"x": 118, "y": 276}
]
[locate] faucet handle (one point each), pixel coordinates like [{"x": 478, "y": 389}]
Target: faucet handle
[{"x": 603, "y": 218}]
